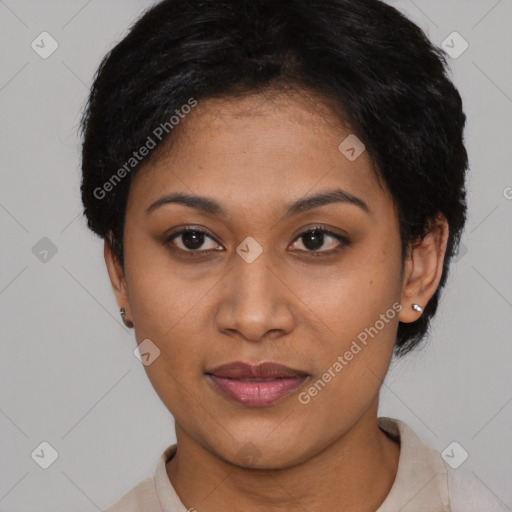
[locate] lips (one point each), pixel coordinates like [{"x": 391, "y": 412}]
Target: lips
[{"x": 256, "y": 385}]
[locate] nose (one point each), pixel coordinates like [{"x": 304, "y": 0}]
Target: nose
[{"x": 256, "y": 302}]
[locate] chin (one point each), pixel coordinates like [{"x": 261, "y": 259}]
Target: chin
[{"x": 264, "y": 454}]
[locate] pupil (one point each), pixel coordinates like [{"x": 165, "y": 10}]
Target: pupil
[
  {"x": 193, "y": 239},
  {"x": 317, "y": 238}
]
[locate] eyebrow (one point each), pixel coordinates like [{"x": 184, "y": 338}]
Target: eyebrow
[{"x": 210, "y": 206}]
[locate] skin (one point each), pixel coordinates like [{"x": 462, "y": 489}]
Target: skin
[{"x": 255, "y": 155}]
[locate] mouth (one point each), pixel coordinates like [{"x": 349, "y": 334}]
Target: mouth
[{"x": 256, "y": 385}]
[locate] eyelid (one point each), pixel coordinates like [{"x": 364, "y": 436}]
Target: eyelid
[
  {"x": 344, "y": 240},
  {"x": 168, "y": 241}
]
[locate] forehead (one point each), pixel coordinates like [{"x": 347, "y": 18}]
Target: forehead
[{"x": 257, "y": 149}]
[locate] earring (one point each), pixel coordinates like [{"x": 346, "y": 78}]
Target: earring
[
  {"x": 417, "y": 308},
  {"x": 122, "y": 312}
]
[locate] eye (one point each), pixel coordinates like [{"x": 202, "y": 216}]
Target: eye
[
  {"x": 190, "y": 240},
  {"x": 316, "y": 237}
]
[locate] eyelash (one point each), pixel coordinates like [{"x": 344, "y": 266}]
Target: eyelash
[{"x": 191, "y": 253}]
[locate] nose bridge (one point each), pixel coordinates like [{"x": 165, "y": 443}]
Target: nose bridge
[
  {"x": 256, "y": 302},
  {"x": 255, "y": 283},
  {"x": 253, "y": 278},
  {"x": 252, "y": 261}
]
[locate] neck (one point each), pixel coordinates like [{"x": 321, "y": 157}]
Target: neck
[{"x": 355, "y": 472}]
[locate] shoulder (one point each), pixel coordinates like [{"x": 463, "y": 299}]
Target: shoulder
[
  {"x": 142, "y": 495},
  {"x": 425, "y": 482},
  {"x": 469, "y": 494},
  {"x": 154, "y": 494}
]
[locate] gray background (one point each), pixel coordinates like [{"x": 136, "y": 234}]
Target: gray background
[{"x": 68, "y": 374}]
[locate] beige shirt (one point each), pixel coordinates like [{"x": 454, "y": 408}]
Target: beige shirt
[{"x": 423, "y": 483}]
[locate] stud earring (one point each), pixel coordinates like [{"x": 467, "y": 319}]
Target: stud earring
[
  {"x": 122, "y": 312},
  {"x": 417, "y": 308}
]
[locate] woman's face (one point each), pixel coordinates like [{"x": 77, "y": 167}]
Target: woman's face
[{"x": 268, "y": 288}]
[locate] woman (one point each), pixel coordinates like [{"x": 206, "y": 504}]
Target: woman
[{"x": 280, "y": 187}]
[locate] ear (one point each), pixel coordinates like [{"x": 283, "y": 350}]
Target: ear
[
  {"x": 423, "y": 268},
  {"x": 117, "y": 278}
]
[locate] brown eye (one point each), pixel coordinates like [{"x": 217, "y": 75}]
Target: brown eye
[
  {"x": 190, "y": 240},
  {"x": 316, "y": 238}
]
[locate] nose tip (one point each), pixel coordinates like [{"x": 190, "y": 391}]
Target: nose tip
[
  {"x": 254, "y": 332},
  {"x": 255, "y": 305}
]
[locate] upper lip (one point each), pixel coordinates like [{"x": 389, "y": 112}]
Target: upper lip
[{"x": 241, "y": 370}]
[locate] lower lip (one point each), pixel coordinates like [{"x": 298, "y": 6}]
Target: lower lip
[{"x": 257, "y": 394}]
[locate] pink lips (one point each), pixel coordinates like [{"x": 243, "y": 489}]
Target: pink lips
[{"x": 257, "y": 385}]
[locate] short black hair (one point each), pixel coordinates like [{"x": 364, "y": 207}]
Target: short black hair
[{"x": 378, "y": 69}]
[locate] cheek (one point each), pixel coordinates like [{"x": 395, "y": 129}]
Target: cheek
[
  {"x": 359, "y": 306},
  {"x": 354, "y": 354},
  {"x": 160, "y": 298},
  {"x": 354, "y": 294}
]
